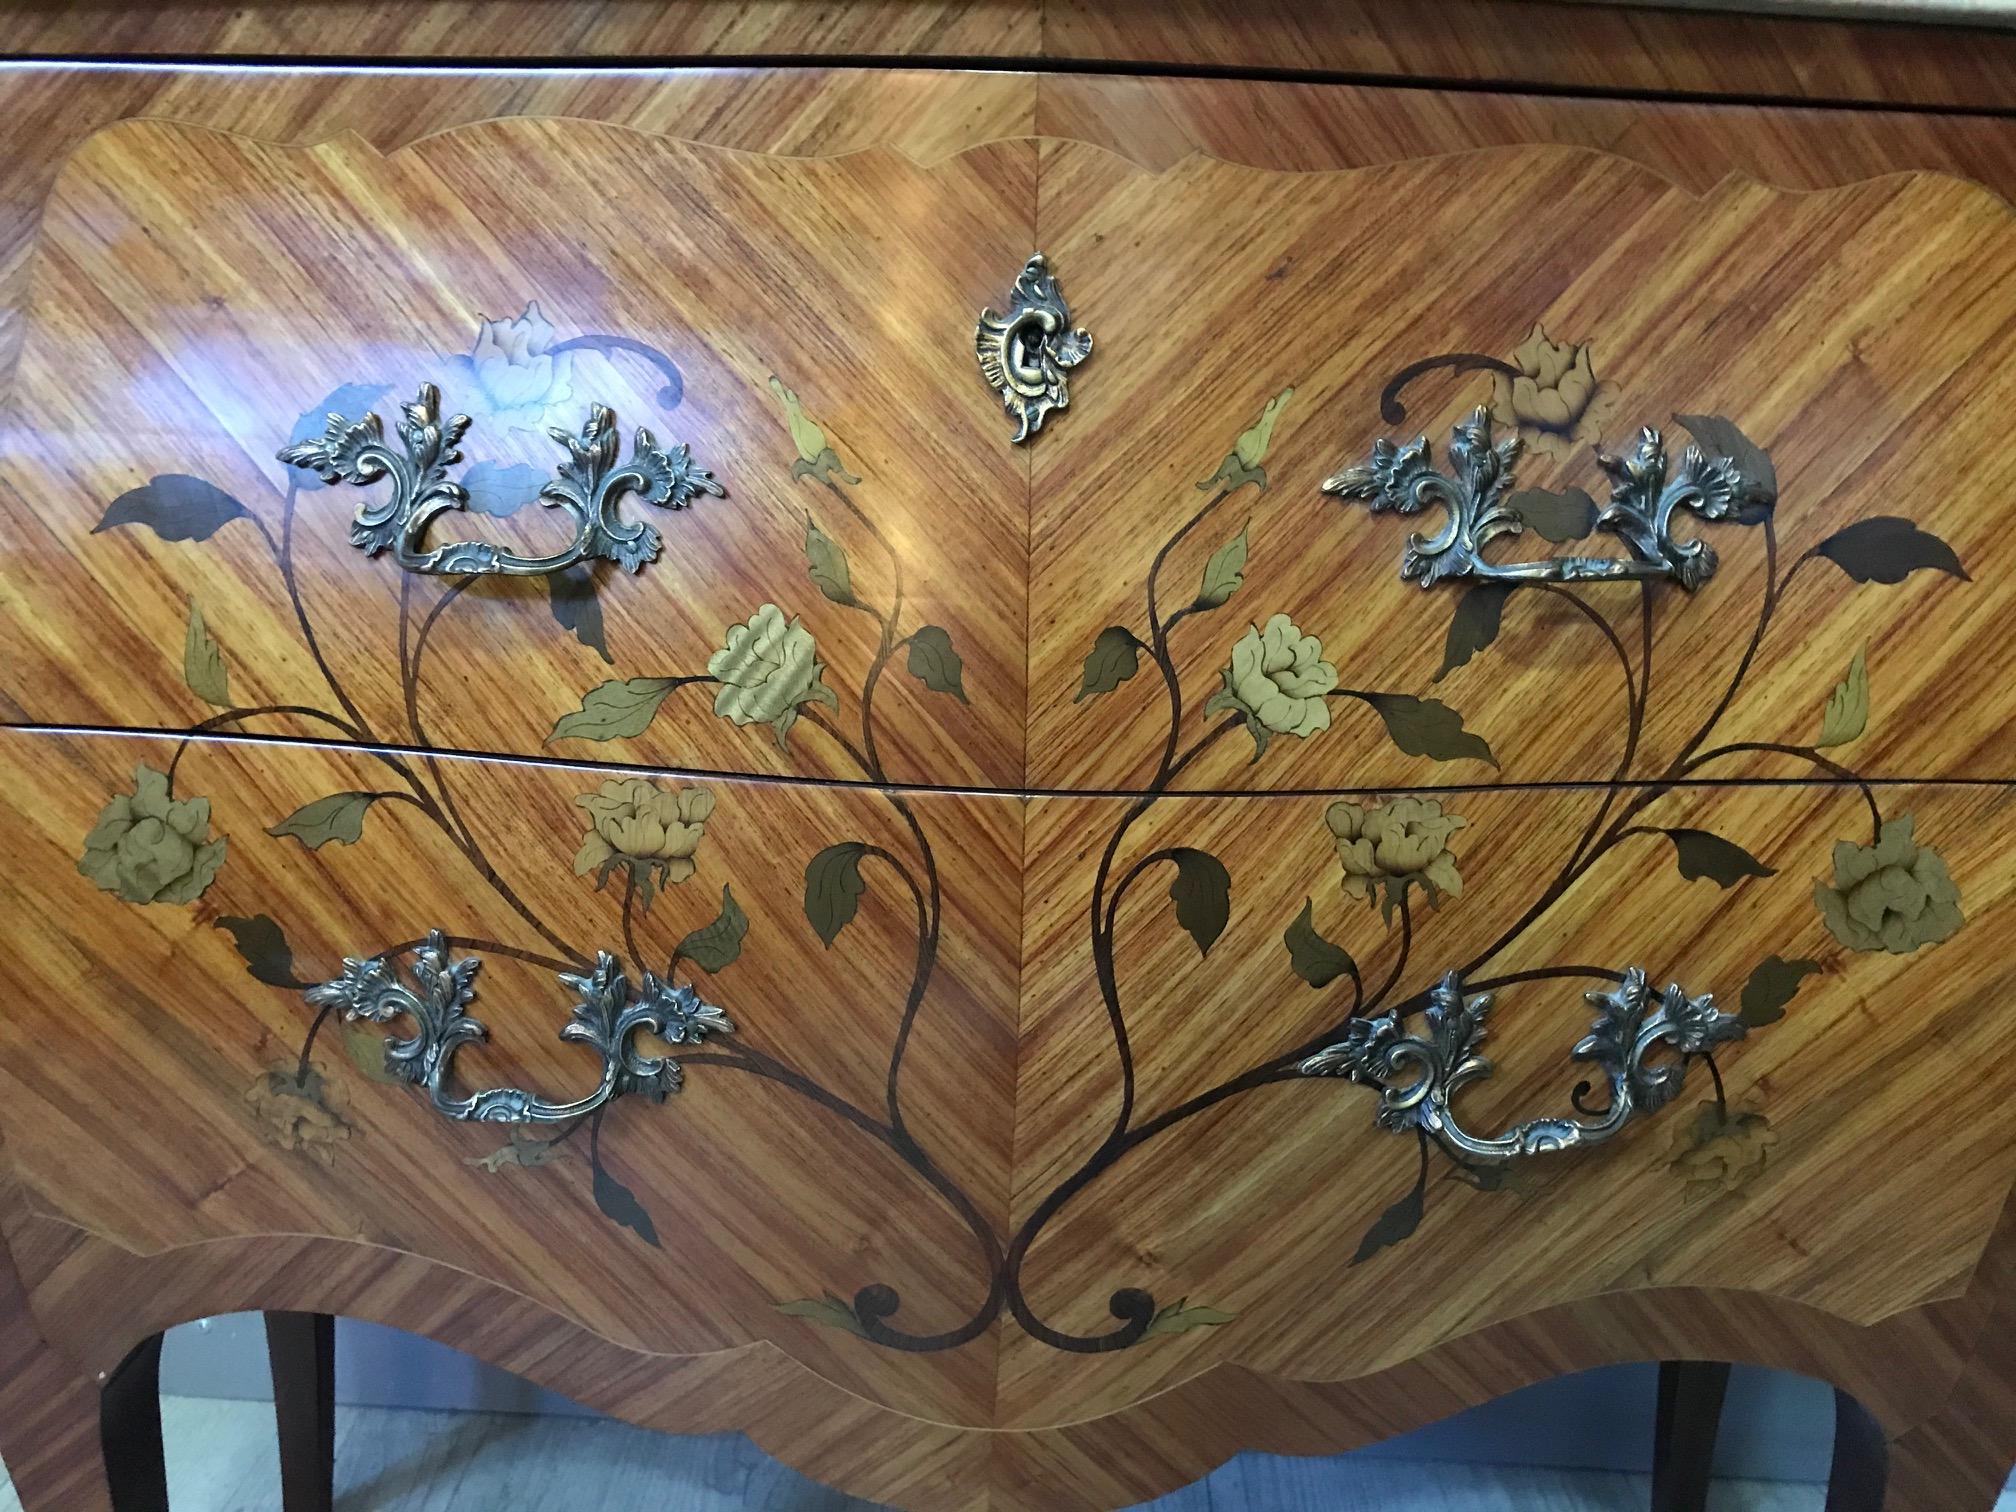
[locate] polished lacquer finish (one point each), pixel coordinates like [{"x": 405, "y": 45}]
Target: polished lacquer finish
[{"x": 1129, "y": 924}]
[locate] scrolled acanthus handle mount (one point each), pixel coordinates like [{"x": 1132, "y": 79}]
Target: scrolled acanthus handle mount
[
  {"x": 1418, "y": 1076},
  {"x": 589, "y": 487},
  {"x": 608, "y": 1013}
]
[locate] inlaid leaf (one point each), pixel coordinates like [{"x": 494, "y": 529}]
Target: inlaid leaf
[
  {"x": 614, "y": 710},
  {"x": 1888, "y": 549},
  {"x": 1115, "y": 656},
  {"x": 263, "y": 946},
  {"x": 828, "y": 1310},
  {"x": 352, "y": 401},
  {"x": 1723, "y": 862},
  {"x": 497, "y": 488},
  {"x": 826, "y": 564},
  {"x": 620, "y": 1205},
  {"x": 1474, "y": 624},
  {"x": 1722, "y": 438},
  {"x": 176, "y": 507},
  {"x": 203, "y": 662},
  {"x": 1565, "y": 516},
  {"x": 571, "y": 593},
  {"x": 1772, "y": 985},
  {"x": 1180, "y": 1317},
  {"x": 833, "y": 888},
  {"x": 1202, "y": 893},
  {"x": 1847, "y": 712},
  {"x": 339, "y": 817},
  {"x": 1428, "y": 727},
  {"x": 1225, "y": 572},
  {"x": 520, "y": 1150},
  {"x": 713, "y": 947},
  {"x": 1315, "y": 959},
  {"x": 366, "y": 1049},
  {"x": 1398, "y": 1222},
  {"x": 935, "y": 664}
]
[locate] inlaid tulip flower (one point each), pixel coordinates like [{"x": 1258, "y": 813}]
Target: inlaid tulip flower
[
  {"x": 516, "y": 375},
  {"x": 1556, "y": 401},
  {"x": 150, "y": 848},
  {"x": 634, "y": 823},
  {"x": 1277, "y": 682},
  {"x": 1895, "y": 895}
]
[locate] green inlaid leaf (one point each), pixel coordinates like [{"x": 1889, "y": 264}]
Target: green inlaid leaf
[
  {"x": 366, "y": 1049},
  {"x": 263, "y": 946},
  {"x": 1115, "y": 656},
  {"x": 1225, "y": 572},
  {"x": 713, "y": 947},
  {"x": 826, "y": 564},
  {"x": 833, "y": 888},
  {"x": 620, "y": 1205},
  {"x": 614, "y": 710},
  {"x": 1315, "y": 959},
  {"x": 176, "y": 507},
  {"x": 1202, "y": 893},
  {"x": 1771, "y": 986},
  {"x": 1179, "y": 1317},
  {"x": 203, "y": 662},
  {"x": 935, "y": 664},
  {"x": 339, "y": 817},
  {"x": 1398, "y": 1222},
  {"x": 1888, "y": 549},
  {"x": 571, "y": 594},
  {"x": 1723, "y": 862},
  {"x": 1242, "y": 464},
  {"x": 1847, "y": 713},
  {"x": 1428, "y": 727},
  {"x": 1721, "y": 438},
  {"x": 828, "y": 1310},
  {"x": 1474, "y": 625},
  {"x": 520, "y": 1151},
  {"x": 495, "y": 488},
  {"x": 1565, "y": 516}
]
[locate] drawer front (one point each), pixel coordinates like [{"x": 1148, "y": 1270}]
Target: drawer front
[
  {"x": 956, "y": 1149},
  {"x": 1189, "y": 533}
]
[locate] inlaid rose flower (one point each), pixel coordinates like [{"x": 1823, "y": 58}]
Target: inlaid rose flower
[
  {"x": 1895, "y": 895},
  {"x": 639, "y": 825},
  {"x": 298, "y": 1110},
  {"x": 1392, "y": 846},
  {"x": 768, "y": 670},
  {"x": 516, "y": 373},
  {"x": 1556, "y": 401},
  {"x": 150, "y": 848},
  {"x": 1277, "y": 681},
  {"x": 1715, "y": 1154}
]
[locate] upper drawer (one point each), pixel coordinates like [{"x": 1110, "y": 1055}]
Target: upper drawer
[{"x": 1157, "y": 590}]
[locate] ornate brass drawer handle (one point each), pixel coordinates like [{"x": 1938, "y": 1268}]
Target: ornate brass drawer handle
[
  {"x": 1646, "y": 491},
  {"x": 1418, "y": 1077},
  {"x": 1025, "y": 353},
  {"x": 607, "y": 1015},
  {"x": 589, "y": 487}
]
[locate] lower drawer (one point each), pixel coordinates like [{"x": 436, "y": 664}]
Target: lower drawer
[{"x": 1002, "y": 1112}]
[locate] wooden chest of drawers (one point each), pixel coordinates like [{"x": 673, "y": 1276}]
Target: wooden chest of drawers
[{"x": 954, "y": 933}]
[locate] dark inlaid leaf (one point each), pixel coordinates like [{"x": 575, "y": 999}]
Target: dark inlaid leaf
[
  {"x": 1771, "y": 986},
  {"x": 833, "y": 888},
  {"x": 935, "y": 664},
  {"x": 614, "y": 710},
  {"x": 203, "y": 662},
  {"x": 263, "y": 945},
  {"x": 1225, "y": 573},
  {"x": 1565, "y": 516},
  {"x": 339, "y": 817},
  {"x": 1888, "y": 549},
  {"x": 715, "y": 946},
  {"x": 1428, "y": 727},
  {"x": 571, "y": 592},
  {"x": 352, "y": 401},
  {"x": 1396, "y": 1223},
  {"x": 826, "y": 564},
  {"x": 1722, "y": 438},
  {"x": 1474, "y": 624},
  {"x": 497, "y": 488},
  {"x": 1722, "y": 862},
  {"x": 828, "y": 1310},
  {"x": 620, "y": 1205},
  {"x": 176, "y": 507},
  {"x": 1315, "y": 959},
  {"x": 1115, "y": 656},
  {"x": 1202, "y": 893}
]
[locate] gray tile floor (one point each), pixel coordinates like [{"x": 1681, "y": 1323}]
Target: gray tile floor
[{"x": 222, "y": 1459}]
